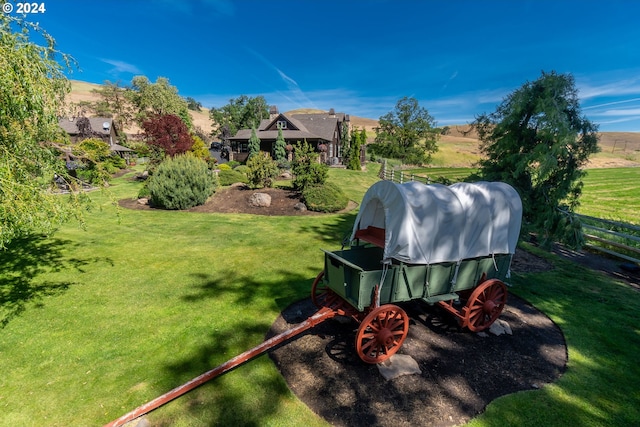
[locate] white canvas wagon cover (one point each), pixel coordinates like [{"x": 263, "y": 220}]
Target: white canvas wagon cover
[{"x": 434, "y": 223}]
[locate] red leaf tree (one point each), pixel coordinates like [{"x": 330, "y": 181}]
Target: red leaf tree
[{"x": 169, "y": 133}]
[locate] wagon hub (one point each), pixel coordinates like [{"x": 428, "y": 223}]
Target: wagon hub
[
  {"x": 385, "y": 337},
  {"x": 489, "y": 306}
]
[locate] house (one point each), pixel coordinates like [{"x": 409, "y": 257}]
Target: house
[
  {"x": 324, "y": 131},
  {"x": 103, "y": 128}
]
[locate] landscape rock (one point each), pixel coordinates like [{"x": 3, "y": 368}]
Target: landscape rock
[
  {"x": 260, "y": 200},
  {"x": 285, "y": 175},
  {"x": 300, "y": 207},
  {"x": 500, "y": 327},
  {"x": 398, "y": 365},
  {"x": 143, "y": 201}
]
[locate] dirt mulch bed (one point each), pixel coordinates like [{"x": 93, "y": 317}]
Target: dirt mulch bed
[
  {"x": 461, "y": 371},
  {"x": 235, "y": 199}
]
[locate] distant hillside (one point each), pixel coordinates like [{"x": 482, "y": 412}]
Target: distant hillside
[
  {"x": 460, "y": 147},
  {"x": 82, "y": 91}
]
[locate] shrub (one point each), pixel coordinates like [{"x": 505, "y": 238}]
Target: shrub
[
  {"x": 199, "y": 149},
  {"x": 228, "y": 177},
  {"x": 306, "y": 169},
  {"x": 262, "y": 170},
  {"x": 181, "y": 182},
  {"x": 233, "y": 163},
  {"x": 224, "y": 167},
  {"x": 242, "y": 169},
  {"x": 325, "y": 198}
]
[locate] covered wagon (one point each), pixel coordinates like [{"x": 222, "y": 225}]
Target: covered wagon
[{"x": 445, "y": 245}]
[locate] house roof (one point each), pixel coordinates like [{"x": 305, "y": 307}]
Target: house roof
[
  {"x": 98, "y": 125},
  {"x": 303, "y": 126}
]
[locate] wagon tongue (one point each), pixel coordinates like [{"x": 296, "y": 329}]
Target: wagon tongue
[{"x": 320, "y": 316}]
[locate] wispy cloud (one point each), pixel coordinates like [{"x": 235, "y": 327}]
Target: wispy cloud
[
  {"x": 294, "y": 92},
  {"x": 606, "y": 104},
  {"x": 451, "y": 78},
  {"x": 624, "y": 87},
  {"x": 121, "y": 67}
]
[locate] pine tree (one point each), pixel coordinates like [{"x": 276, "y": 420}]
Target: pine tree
[
  {"x": 254, "y": 143},
  {"x": 279, "y": 152},
  {"x": 357, "y": 140}
]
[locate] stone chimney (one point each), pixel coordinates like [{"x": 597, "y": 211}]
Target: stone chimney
[{"x": 273, "y": 112}]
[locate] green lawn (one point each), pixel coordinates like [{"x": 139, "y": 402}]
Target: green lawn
[
  {"x": 612, "y": 194},
  {"x": 95, "y": 322}
]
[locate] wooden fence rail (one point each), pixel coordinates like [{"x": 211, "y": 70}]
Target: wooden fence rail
[{"x": 614, "y": 238}]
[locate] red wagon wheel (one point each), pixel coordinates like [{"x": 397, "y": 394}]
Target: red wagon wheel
[
  {"x": 485, "y": 305},
  {"x": 382, "y": 333},
  {"x": 319, "y": 291}
]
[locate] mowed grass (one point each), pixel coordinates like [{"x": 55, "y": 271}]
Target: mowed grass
[
  {"x": 612, "y": 194},
  {"x": 95, "y": 323},
  {"x": 98, "y": 322}
]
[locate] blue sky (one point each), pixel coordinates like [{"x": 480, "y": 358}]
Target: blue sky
[{"x": 457, "y": 58}]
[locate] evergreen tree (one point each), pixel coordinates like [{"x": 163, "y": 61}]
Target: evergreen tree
[
  {"x": 279, "y": 151},
  {"x": 254, "y": 143},
  {"x": 357, "y": 140},
  {"x": 538, "y": 141}
]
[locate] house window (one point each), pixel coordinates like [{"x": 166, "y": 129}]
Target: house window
[{"x": 282, "y": 124}]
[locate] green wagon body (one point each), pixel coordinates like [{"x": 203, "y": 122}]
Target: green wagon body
[{"x": 354, "y": 273}]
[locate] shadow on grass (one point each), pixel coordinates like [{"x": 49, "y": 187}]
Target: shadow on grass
[
  {"x": 260, "y": 393},
  {"x": 21, "y": 264}
]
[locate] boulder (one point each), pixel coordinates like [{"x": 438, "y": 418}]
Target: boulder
[
  {"x": 398, "y": 365},
  {"x": 300, "y": 207},
  {"x": 260, "y": 200}
]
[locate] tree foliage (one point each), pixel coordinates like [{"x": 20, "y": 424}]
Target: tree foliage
[
  {"x": 262, "y": 170},
  {"x": 408, "y": 133},
  {"x": 169, "y": 133},
  {"x": 159, "y": 98},
  {"x": 358, "y": 139},
  {"x": 254, "y": 143},
  {"x": 32, "y": 91},
  {"x": 181, "y": 182},
  {"x": 114, "y": 102},
  {"x": 95, "y": 161},
  {"x": 306, "y": 169},
  {"x": 279, "y": 150},
  {"x": 243, "y": 112},
  {"x": 193, "y": 105},
  {"x": 538, "y": 141},
  {"x": 199, "y": 148}
]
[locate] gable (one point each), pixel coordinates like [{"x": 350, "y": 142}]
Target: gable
[{"x": 284, "y": 122}]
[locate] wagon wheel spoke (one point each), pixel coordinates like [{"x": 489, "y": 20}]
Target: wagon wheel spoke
[
  {"x": 485, "y": 305},
  {"x": 382, "y": 333},
  {"x": 320, "y": 291}
]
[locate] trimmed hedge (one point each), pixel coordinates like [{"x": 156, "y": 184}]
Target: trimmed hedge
[
  {"x": 325, "y": 198},
  {"x": 181, "y": 182}
]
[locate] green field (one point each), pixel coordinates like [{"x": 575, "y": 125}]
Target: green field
[
  {"x": 95, "y": 322},
  {"x": 612, "y": 194},
  {"x": 609, "y": 193}
]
